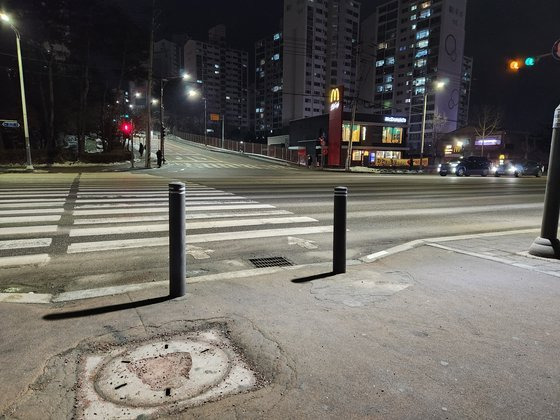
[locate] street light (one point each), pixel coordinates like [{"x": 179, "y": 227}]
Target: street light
[
  {"x": 184, "y": 76},
  {"x": 5, "y": 18},
  {"x": 437, "y": 86},
  {"x": 193, "y": 93}
]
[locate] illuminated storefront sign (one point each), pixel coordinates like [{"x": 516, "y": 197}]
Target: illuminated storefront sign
[
  {"x": 335, "y": 99},
  {"x": 335, "y": 126},
  {"x": 399, "y": 120},
  {"x": 488, "y": 142}
]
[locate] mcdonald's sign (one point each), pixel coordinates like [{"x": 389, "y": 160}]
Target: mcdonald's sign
[{"x": 335, "y": 98}]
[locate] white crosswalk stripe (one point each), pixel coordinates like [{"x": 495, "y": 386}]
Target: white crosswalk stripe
[{"x": 31, "y": 219}]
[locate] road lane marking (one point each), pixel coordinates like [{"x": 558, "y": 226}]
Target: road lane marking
[
  {"x": 25, "y": 243},
  {"x": 164, "y": 227},
  {"x": 135, "y": 219},
  {"x": 29, "y": 219},
  {"x": 22, "y": 230},
  {"x": 34, "y": 211},
  {"x": 30, "y": 204},
  {"x": 160, "y": 204},
  {"x": 163, "y": 209},
  {"x": 194, "y": 239},
  {"x": 158, "y": 199},
  {"x": 20, "y": 260}
]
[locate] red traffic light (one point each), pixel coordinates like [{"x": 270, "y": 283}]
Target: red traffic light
[{"x": 126, "y": 127}]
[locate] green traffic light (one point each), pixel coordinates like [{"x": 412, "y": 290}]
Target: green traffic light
[{"x": 530, "y": 61}]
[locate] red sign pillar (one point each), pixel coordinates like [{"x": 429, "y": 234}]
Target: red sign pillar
[{"x": 336, "y": 107}]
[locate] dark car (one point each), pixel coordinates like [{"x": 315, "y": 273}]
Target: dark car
[
  {"x": 520, "y": 167},
  {"x": 472, "y": 165}
]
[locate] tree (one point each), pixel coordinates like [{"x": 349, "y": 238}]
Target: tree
[
  {"x": 439, "y": 120},
  {"x": 488, "y": 121}
]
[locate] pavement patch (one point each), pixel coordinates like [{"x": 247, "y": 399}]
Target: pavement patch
[{"x": 160, "y": 376}]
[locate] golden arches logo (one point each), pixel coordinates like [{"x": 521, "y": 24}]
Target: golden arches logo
[{"x": 335, "y": 95}]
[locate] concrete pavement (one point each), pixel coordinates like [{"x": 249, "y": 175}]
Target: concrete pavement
[{"x": 438, "y": 330}]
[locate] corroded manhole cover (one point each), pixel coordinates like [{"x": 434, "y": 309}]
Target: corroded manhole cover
[{"x": 160, "y": 376}]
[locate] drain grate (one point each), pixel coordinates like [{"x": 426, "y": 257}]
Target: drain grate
[{"x": 270, "y": 262}]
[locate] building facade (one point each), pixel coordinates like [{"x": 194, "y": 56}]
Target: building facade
[
  {"x": 418, "y": 43},
  {"x": 268, "y": 85},
  {"x": 320, "y": 39},
  {"x": 465, "y": 93},
  {"x": 223, "y": 76},
  {"x": 167, "y": 59}
]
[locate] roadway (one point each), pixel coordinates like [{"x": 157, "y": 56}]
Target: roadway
[{"x": 71, "y": 231}]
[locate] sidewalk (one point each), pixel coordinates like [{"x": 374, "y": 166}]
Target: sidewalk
[{"x": 463, "y": 327}]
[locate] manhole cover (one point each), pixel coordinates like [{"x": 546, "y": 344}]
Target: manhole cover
[
  {"x": 161, "y": 376},
  {"x": 270, "y": 262}
]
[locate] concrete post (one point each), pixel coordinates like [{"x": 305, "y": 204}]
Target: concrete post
[
  {"x": 177, "y": 240},
  {"x": 547, "y": 245},
  {"x": 339, "y": 231}
]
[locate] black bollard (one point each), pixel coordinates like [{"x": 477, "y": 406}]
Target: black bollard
[
  {"x": 547, "y": 245},
  {"x": 339, "y": 235},
  {"x": 177, "y": 239}
]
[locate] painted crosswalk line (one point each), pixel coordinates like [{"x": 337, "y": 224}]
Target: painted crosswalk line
[
  {"x": 163, "y": 227},
  {"x": 34, "y": 259},
  {"x": 25, "y": 243},
  {"x": 80, "y": 247},
  {"x": 25, "y": 230}
]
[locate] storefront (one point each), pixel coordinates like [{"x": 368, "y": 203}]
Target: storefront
[{"x": 377, "y": 140}]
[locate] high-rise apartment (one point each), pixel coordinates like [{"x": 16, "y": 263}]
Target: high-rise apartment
[
  {"x": 268, "y": 84},
  {"x": 166, "y": 59},
  {"x": 418, "y": 43},
  {"x": 320, "y": 39},
  {"x": 223, "y": 73},
  {"x": 465, "y": 92}
]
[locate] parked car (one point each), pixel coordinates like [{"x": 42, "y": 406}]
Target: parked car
[
  {"x": 448, "y": 167},
  {"x": 520, "y": 167},
  {"x": 472, "y": 165}
]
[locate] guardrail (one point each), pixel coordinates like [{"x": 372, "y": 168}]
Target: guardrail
[{"x": 244, "y": 147}]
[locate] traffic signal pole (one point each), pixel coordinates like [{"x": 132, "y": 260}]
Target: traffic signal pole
[{"x": 547, "y": 245}]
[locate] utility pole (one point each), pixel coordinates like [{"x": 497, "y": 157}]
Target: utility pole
[
  {"x": 149, "y": 94},
  {"x": 423, "y": 128},
  {"x": 162, "y": 124},
  {"x": 223, "y": 129},
  {"x": 354, "y": 106}
]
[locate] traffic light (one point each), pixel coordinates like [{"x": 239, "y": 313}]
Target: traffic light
[
  {"x": 530, "y": 61},
  {"x": 126, "y": 128},
  {"x": 518, "y": 63},
  {"x": 515, "y": 65}
]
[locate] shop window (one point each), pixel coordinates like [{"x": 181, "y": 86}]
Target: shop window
[
  {"x": 392, "y": 135},
  {"x": 355, "y": 133}
]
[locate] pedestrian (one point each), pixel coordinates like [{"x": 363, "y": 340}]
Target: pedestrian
[
  {"x": 141, "y": 149},
  {"x": 158, "y": 156}
]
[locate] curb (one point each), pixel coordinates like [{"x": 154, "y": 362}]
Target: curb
[{"x": 47, "y": 298}]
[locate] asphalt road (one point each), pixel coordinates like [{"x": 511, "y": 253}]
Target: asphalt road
[{"x": 62, "y": 231}]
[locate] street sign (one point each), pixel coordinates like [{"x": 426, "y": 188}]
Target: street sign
[
  {"x": 214, "y": 117},
  {"x": 10, "y": 124},
  {"x": 556, "y": 50}
]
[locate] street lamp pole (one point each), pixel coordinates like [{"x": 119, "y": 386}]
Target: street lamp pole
[
  {"x": 6, "y": 19},
  {"x": 162, "y": 125},
  {"x": 423, "y": 135},
  {"x": 205, "y": 119}
]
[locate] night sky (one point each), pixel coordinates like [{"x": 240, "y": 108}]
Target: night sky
[{"x": 496, "y": 30}]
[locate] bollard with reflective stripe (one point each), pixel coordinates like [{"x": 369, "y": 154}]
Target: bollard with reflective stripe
[
  {"x": 177, "y": 240},
  {"x": 547, "y": 245},
  {"x": 339, "y": 235}
]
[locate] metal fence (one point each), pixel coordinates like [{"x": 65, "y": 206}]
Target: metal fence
[{"x": 276, "y": 152}]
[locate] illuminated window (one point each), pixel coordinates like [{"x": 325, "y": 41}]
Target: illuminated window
[
  {"x": 426, "y": 4},
  {"x": 390, "y": 61},
  {"x": 355, "y": 133},
  {"x": 388, "y": 78},
  {"x": 420, "y": 63},
  {"x": 422, "y": 44},
  {"x": 392, "y": 135},
  {"x": 424, "y": 33},
  {"x": 420, "y": 81},
  {"x": 276, "y": 37},
  {"x": 425, "y": 14},
  {"x": 421, "y": 53},
  {"x": 413, "y": 8},
  {"x": 379, "y": 63}
]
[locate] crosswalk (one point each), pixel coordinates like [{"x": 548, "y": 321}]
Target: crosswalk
[{"x": 93, "y": 215}]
